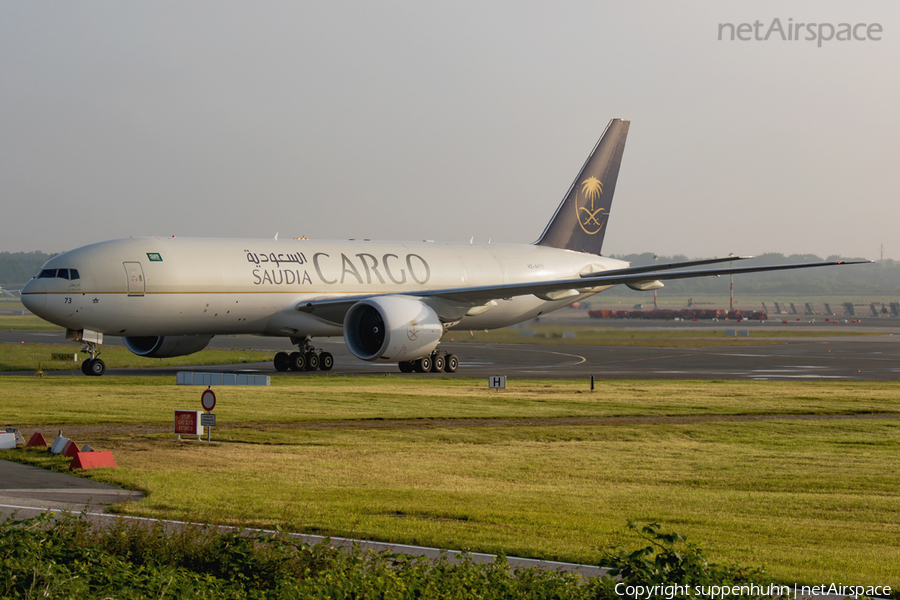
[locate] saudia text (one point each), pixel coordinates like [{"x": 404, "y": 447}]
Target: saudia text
[{"x": 362, "y": 268}]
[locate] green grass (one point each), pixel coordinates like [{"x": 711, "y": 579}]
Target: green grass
[
  {"x": 34, "y": 357},
  {"x": 543, "y": 469},
  {"x": 419, "y": 402},
  {"x": 65, "y": 557},
  {"x": 26, "y": 323}
]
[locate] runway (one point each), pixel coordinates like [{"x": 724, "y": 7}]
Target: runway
[{"x": 863, "y": 357}]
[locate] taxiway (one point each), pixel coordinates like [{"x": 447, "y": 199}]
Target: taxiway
[{"x": 862, "y": 357}]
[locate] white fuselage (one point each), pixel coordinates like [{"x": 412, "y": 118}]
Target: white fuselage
[{"x": 189, "y": 286}]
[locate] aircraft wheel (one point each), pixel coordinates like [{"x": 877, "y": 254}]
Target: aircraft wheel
[
  {"x": 282, "y": 361},
  {"x": 423, "y": 365},
  {"x": 297, "y": 361},
  {"x": 437, "y": 363},
  {"x": 406, "y": 366},
  {"x": 86, "y": 367},
  {"x": 97, "y": 367},
  {"x": 326, "y": 361},
  {"x": 312, "y": 361},
  {"x": 451, "y": 363}
]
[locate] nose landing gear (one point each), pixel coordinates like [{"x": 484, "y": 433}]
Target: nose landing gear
[{"x": 93, "y": 366}]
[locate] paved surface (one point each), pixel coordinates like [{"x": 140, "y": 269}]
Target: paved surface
[
  {"x": 28, "y": 490},
  {"x": 863, "y": 357}
]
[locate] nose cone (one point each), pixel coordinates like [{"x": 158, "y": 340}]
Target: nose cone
[{"x": 34, "y": 296}]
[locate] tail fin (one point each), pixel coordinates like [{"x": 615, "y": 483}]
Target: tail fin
[{"x": 580, "y": 221}]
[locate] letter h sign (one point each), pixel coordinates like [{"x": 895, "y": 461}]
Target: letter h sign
[{"x": 497, "y": 382}]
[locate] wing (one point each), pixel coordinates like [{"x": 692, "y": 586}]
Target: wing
[{"x": 334, "y": 308}]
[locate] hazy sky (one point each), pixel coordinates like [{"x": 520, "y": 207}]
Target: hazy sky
[{"x": 447, "y": 120}]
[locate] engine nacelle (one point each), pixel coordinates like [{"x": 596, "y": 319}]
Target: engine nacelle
[
  {"x": 166, "y": 346},
  {"x": 391, "y": 328}
]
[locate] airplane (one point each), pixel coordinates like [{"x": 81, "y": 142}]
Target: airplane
[{"x": 391, "y": 301}]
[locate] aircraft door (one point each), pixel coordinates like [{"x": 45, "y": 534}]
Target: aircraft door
[{"x": 135, "y": 275}]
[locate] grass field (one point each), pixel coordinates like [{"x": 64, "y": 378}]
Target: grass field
[
  {"x": 35, "y": 357},
  {"x": 803, "y": 477},
  {"x": 26, "y": 323}
]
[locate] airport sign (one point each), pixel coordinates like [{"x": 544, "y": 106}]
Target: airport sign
[
  {"x": 187, "y": 422},
  {"x": 208, "y": 400}
]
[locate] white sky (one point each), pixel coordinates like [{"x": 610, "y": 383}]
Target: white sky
[{"x": 445, "y": 120}]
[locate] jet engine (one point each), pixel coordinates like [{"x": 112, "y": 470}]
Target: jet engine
[
  {"x": 166, "y": 346},
  {"x": 391, "y": 328}
]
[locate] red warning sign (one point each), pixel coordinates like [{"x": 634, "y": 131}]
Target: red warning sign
[{"x": 187, "y": 422}]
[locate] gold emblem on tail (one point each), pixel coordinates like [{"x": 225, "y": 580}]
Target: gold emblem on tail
[{"x": 589, "y": 218}]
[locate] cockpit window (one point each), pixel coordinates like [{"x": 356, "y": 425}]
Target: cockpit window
[{"x": 60, "y": 273}]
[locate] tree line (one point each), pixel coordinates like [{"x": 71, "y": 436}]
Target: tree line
[{"x": 18, "y": 267}]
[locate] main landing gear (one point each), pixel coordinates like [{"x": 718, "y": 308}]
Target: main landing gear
[
  {"x": 435, "y": 363},
  {"x": 306, "y": 358},
  {"x": 92, "y": 367}
]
